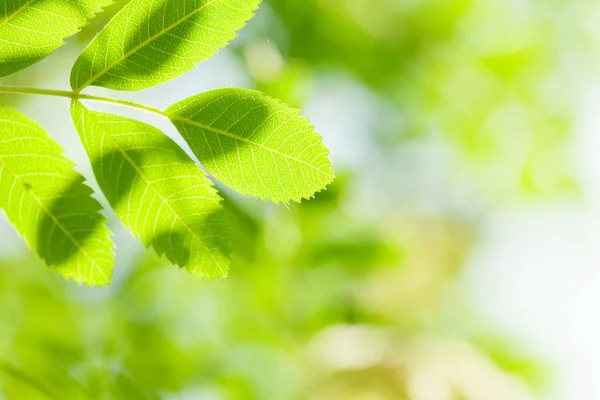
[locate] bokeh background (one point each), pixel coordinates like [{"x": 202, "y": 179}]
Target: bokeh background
[{"x": 455, "y": 257}]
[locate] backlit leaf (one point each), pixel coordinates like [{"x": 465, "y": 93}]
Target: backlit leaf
[
  {"x": 153, "y": 41},
  {"x": 48, "y": 203},
  {"x": 161, "y": 195},
  {"x": 31, "y": 29},
  {"x": 254, "y": 143}
]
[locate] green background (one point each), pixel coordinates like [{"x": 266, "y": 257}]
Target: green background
[{"x": 439, "y": 114}]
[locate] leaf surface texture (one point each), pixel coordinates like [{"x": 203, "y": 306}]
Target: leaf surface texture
[
  {"x": 156, "y": 189},
  {"x": 153, "y": 41},
  {"x": 254, "y": 143},
  {"x": 49, "y": 204},
  {"x": 31, "y": 29}
]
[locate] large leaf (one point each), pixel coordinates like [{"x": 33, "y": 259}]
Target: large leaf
[
  {"x": 49, "y": 204},
  {"x": 31, "y": 29},
  {"x": 254, "y": 143},
  {"x": 161, "y": 195},
  {"x": 153, "y": 41}
]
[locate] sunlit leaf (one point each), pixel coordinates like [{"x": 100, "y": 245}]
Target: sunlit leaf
[
  {"x": 161, "y": 195},
  {"x": 254, "y": 143},
  {"x": 150, "y": 42},
  {"x": 31, "y": 29},
  {"x": 48, "y": 203}
]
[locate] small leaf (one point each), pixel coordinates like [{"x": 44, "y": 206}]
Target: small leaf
[
  {"x": 150, "y": 42},
  {"x": 161, "y": 195},
  {"x": 31, "y": 29},
  {"x": 254, "y": 144},
  {"x": 49, "y": 204}
]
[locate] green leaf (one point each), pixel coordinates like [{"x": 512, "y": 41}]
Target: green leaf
[
  {"x": 161, "y": 195},
  {"x": 254, "y": 143},
  {"x": 31, "y": 29},
  {"x": 48, "y": 203},
  {"x": 150, "y": 42}
]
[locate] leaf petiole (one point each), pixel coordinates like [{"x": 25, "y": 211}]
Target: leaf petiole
[{"x": 74, "y": 95}]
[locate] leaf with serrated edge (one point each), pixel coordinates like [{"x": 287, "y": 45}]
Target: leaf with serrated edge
[
  {"x": 48, "y": 203},
  {"x": 150, "y": 42},
  {"x": 254, "y": 143},
  {"x": 32, "y": 29},
  {"x": 156, "y": 189}
]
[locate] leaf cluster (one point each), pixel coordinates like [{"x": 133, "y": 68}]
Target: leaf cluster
[{"x": 251, "y": 142}]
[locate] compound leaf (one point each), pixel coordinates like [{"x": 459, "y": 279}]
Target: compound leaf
[
  {"x": 254, "y": 143},
  {"x": 48, "y": 203},
  {"x": 31, "y": 29},
  {"x": 153, "y": 41},
  {"x": 160, "y": 194}
]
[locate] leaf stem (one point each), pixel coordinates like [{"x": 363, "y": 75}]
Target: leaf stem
[
  {"x": 120, "y": 102},
  {"x": 29, "y": 90},
  {"x": 74, "y": 95}
]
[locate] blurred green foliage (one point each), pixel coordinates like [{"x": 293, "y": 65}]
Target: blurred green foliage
[
  {"x": 490, "y": 77},
  {"x": 260, "y": 334}
]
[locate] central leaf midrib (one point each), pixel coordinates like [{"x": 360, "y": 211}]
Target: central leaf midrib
[
  {"x": 150, "y": 183},
  {"x": 54, "y": 219},
  {"x": 17, "y": 12},
  {"x": 242, "y": 139},
  {"x": 141, "y": 45}
]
